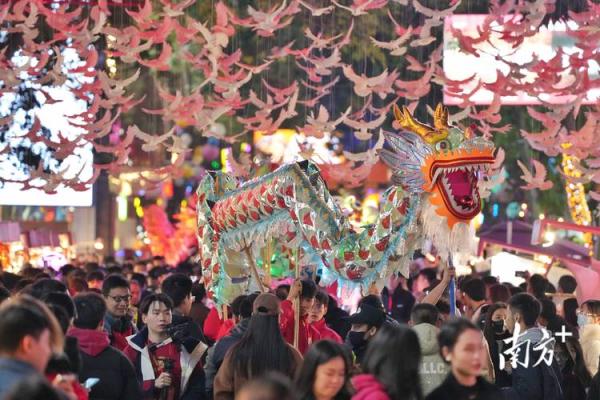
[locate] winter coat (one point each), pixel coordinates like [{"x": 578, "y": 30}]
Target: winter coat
[
  {"x": 212, "y": 325},
  {"x": 308, "y": 334},
  {"x": 368, "y": 388},
  {"x": 13, "y": 372},
  {"x": 589, "y": 337},
  {"x": 326, "y": 332},
  {"x": 541, "y": 382},
  {"x": 433, "y": 369},
  {"x": 216, "y": 354},
  {"x": 117, "y": 380},
  {"x": 227, "y": 382},
  {"x": 118, "y": 329},
  {"x": 336, "y": 319},
  {"x": 450, "y": 389},
  {"x": 190, "y": 354}
]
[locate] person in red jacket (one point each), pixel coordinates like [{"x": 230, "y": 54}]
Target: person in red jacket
[
  {"x": 305, "y": 290},
  {"x": 317, "y": 318}
]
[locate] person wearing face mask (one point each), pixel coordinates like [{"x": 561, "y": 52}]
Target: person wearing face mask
[
  {"x": 495, "y": 332},
  {"x": 461, "y": 346},
  {"x": 366, "y": 322},
  {"x": 588, "y": 319}
]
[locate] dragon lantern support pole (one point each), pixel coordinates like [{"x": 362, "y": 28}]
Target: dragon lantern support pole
[
  {"x": 254, "y": 269},
  {"x": 297, "y": 300},
  {"x": 452, "y": 290}
]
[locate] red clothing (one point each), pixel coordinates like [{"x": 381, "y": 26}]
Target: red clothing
[
  {"x": 212, "y": 324},
  {"x": 368, "y": 388},
  {"x": 308, "y": 334},
  {"x": 119, "y": 339},
  {"x": 326, "y": 332},
  {"x": 167, "y": 353},
  {"x": 77, "y": 389},
  {"x": 227, "y": 326}
]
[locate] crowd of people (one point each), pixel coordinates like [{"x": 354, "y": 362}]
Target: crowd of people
[{"x": 144, "y": 330}]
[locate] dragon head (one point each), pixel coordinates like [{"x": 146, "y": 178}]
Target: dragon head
[{"x": 441, "y": 160}]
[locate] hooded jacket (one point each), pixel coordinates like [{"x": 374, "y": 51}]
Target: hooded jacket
[
  {"x": 589, "y": 337},
  {"x": 433, "y": 369},
  {"x": 367, "y": 387},
  {"x": 190, "y": 354},
  {"x": 100, "y": 360},
  {"x": 541, "y": 382}
]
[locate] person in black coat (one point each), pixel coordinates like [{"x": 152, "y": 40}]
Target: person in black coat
[
  {"x": 460, "y": 343},
  {"x": 398, "y": 301},
  {"x": 99, "y": 360},
  {"x": 336, "y": 318}
]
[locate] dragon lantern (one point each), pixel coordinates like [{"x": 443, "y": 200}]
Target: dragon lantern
[{"x": 437, "y": 175}]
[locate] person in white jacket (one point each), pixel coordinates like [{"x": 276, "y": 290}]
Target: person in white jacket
[{"x": 588, "y": 319}]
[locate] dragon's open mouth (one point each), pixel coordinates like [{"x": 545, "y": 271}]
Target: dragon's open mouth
[
  {"x": 455, "y": 177},
  {"x": 458, "y": 186}
]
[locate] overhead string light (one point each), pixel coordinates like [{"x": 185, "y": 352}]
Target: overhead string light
[{"x": 578, "y": 207}]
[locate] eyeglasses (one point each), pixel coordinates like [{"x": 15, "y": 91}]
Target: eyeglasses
[{"x": 119, "y": 299}]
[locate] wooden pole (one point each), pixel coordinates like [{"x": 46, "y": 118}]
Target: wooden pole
[
  {"x": 297, "y": 301},
  {"x": 254, "y": 269}
]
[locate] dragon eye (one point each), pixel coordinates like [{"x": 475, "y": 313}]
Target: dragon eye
[{"x": 442, "y": 145}]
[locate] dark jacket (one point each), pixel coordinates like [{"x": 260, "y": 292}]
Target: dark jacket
[
  {"x": 191, "y": 352},
  {"x": 216, "y": 354},
  {"x": 450, "y": 389},
  {"x": 542, "y": 382},
  {"x": 100, "y": 360},
  {"x": 594, "y": 392},
  {"x": 118, "y": 329},
  {"x": 399, "y": 305},
  {"x": 12, "y": 372},
  {"x": 336, "y": 319}
]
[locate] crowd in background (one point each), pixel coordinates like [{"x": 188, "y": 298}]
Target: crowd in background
[{"x": 145, "y": 330}]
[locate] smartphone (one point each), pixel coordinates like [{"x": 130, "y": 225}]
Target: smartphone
[
  {"x": 90, "y": 382},
  {"x": 521, "y": 274}
]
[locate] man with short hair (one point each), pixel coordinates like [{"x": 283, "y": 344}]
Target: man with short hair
[
  {"x": 99, "y": 359},
  {"x": 29, "y": 334},
  {"x": 117, "y": 321},
  {"x": 305, "y": 291},
  {"x": 317, "y": 318},
  {"x": 535, "y": 345},
  {"x": 567, "y": 284},
  {"x": 163, "y": 366},
  {"x": 366, "y": 322},
  {"x": 179, "y": 288},
  {"x": 425, "y": 321},
  {"x": 474, "y": 300}
]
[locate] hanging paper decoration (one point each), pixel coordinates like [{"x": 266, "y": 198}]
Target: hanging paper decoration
[{"x": 437, "y": 173}]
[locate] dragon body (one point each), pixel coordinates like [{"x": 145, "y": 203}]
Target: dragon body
[{"x": 437, "y": 174}]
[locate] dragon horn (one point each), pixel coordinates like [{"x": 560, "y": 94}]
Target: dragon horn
[
  {"x": 440, "y": 118},
  {"x": 406, "y": 121}
]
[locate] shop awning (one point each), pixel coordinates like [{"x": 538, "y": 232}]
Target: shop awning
[{"x": 518, "y": 238}]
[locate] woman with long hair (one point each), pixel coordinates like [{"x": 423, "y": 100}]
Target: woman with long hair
[
  {"x": 495, "y": 332},
  {"x": 569, "y": 357},
  {"x": 390, "y": 366},
  {"x": 325, "y": 373},
  {"x": 461, "y": 346},
  {"x": 271, "y": 386},
  {"x": 262, "y": 349}
]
